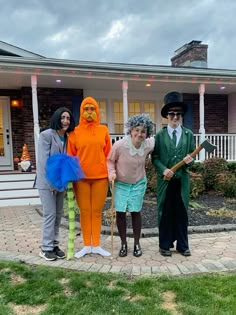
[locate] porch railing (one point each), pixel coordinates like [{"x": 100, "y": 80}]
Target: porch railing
[{"x": 226, "y": 145}]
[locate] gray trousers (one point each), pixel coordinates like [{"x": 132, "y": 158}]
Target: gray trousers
[{"x": 52, "y": 214}]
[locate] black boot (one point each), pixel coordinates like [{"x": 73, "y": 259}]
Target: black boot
[
  {"x": 123, "y": 251},
  {"x": 137, "y": 250}
]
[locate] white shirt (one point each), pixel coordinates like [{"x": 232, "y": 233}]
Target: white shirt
[{"x": 178, "y": 133}]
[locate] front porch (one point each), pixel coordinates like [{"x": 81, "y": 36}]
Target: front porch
[
  {"x": 226, "y": 145},
  {"x": 210, "y": 95}
]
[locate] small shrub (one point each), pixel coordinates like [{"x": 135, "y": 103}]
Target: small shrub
[
  {"x": 151, "y": 177},
  {"x": 212, "y": 167},
  {"x": 232, "y": 167},
  {"x": 196, "y": 185},
  {"x": 220, "y": 181},
  {"x": 229, "y": 187},
  {"x": 197, "y": 167}
]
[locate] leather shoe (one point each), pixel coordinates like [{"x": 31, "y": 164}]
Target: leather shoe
[
  {"x": 165, "y": 252},
  {"x": 137, "y": 251},
  {"x": 185, "y": 253},
  {"x": 123, "y": 251}
]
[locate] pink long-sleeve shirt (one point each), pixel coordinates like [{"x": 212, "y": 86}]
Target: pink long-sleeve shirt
[{"x": 128, "y": 163}]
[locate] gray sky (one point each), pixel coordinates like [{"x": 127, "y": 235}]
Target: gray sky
[{"x": 123, "y": 31}]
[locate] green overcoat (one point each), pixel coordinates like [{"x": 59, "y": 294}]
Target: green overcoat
[{"x": 166, "y": 155}]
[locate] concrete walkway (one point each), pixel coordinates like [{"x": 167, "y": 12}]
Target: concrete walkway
[{"x": 20, "y": 235}]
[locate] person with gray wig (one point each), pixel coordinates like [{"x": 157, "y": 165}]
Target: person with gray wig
[
  {"x": 126, "y": 166},
  {"x": 139, "y": 120}
]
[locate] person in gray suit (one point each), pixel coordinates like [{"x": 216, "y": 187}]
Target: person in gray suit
[{"x": 52, "y": 141}]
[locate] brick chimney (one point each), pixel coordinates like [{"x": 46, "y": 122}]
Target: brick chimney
[{"x": 193, "y": 54}]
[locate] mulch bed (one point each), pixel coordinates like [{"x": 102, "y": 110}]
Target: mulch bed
[{"x": 207, "y": 209}]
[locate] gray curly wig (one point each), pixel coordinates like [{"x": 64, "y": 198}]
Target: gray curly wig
[{"x": 139, "y": 120}]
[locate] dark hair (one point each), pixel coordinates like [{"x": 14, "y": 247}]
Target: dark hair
[{"x": 56, "y": 119}]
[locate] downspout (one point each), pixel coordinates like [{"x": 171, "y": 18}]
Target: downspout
[
  {"x": 201, "y": 116},
  {"x": 35, "y": 113}
]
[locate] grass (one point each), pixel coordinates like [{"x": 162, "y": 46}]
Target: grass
[{"x": 26, "y": 289}]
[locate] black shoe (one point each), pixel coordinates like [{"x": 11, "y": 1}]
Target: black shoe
[
  {"x": 165, "y": 252},
  {"x": 48, "y": 255},
  {"x": 59, "y": 253},
  {"x": 137, "y": 251},
  {"x": 185, "y": 253},
  {"x": 123, "y": 251}
]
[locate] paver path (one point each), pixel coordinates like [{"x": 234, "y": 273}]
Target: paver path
[{"x": 20, "y": 235}]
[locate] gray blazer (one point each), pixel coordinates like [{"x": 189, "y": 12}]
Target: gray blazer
[{"x": 49, "y": 144}]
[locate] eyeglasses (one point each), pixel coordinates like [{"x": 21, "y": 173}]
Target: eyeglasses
[{"x": 173, "y": 114}]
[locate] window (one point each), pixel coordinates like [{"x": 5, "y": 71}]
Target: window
[
  {"x": 134, "y": 108},
  {"x": 103, "y": 112},
  {"x": 149, "y": 108},
  {"x": 118, "y": 117}
]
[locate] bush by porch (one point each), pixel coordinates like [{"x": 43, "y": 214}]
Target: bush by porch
[{"x": 213, "y": 174}]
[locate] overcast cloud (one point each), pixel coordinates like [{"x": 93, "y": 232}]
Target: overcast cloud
[{"x": 123, "y": 31}]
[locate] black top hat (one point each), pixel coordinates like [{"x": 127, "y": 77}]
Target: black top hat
[{"x": 173, "y": 99}]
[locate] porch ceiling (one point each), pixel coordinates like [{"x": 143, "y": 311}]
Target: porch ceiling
[
  {"x": 16, "y": 81},
  {"x": 15, "y": 74}
]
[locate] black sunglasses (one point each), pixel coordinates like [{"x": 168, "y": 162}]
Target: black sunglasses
[{"x": 173, "y": 114}]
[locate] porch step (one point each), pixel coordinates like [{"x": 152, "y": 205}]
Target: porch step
[{"x": 16, "y": 189}]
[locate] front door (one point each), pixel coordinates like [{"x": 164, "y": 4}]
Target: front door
[{"x": 6, "y": 160}]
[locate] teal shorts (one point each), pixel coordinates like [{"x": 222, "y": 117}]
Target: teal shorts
[{"x": 129, "y": 197}]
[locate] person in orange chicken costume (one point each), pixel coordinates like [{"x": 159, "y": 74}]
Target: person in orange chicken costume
[{"x": 90, "y": 141}]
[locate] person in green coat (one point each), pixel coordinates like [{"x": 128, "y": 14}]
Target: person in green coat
[{"x": 173, "y": 143}]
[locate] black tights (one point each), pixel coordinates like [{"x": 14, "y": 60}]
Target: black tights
[{"x": 136, "y": 224}]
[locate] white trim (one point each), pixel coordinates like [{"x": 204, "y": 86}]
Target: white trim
[
  {"x": 35, "y": 113},
  {"x": 125, "y": 101},
  {"x": 113, "y": 70},
  {"x": 6, "y": 162}
]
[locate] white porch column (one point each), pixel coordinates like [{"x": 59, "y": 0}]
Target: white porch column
[
  {"x": 125, "y": 101},
  {"x": 35, "y": 113},
  {"x": 201, "y": 116}
]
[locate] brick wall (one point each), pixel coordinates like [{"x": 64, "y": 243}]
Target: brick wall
[
  {"x": 215, "y": 112},
  {"x": 232, "y": 113},
  {"x": 22, "y": 118},
  {"x": 190, "y": 54}
]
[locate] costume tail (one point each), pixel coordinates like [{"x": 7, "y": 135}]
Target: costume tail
[
  {"x": 62, "y": 169},
  {"x": 71, "y": 214}
]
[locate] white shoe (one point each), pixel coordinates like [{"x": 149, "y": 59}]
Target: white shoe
[
  {"x": 84, "y": 251},
  {"x": 100, "y": 251}
]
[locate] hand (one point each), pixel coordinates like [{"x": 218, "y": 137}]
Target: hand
[
  {"x": 113, "y": 177},
  {"x": 168, "y": 173},
  {"x": 188, "y": 159}
]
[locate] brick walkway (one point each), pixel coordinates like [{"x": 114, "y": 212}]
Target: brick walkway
[{"x": 20, "y": 234}]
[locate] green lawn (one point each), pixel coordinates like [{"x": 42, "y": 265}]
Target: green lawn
[{"x": 42, "y": 290}]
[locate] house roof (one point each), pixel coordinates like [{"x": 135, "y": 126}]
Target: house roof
[
  {"x": 11, "y": 50},
  {"x": 19, "y": 65}
]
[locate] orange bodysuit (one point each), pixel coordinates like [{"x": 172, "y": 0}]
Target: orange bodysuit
[{"x": 90, "y": 141}]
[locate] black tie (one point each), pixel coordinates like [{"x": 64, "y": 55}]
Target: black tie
[{"x": 174, "y": 138}]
